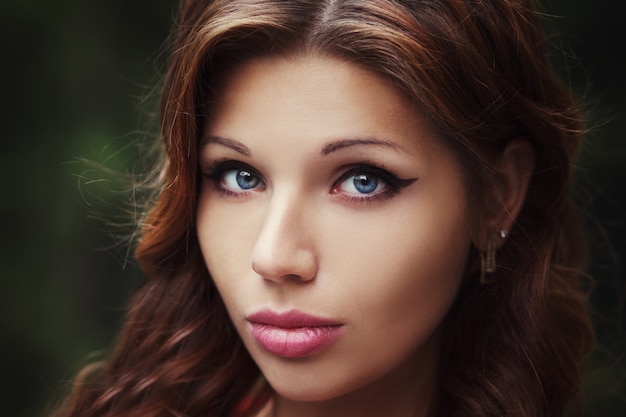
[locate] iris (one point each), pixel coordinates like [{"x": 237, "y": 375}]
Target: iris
[
  {"x": 246, "y": 180},
  {"x": 365, "y": 184}
]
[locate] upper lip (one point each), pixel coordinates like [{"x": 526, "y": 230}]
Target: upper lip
[{"x": 291, "y": 319}]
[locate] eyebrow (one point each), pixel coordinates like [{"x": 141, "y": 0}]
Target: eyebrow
[
  {"x": 345, "y": 143},
  {"x": 326, "y": 150},
  {"x": 229, "y": 143}
]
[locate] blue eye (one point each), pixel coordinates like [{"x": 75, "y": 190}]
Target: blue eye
[
  {"x": 362, "y": 184},
  {"x": 234, "y": 178},
  {"x": 239, "y": 179},
  {"x": 367, "y": 183}
]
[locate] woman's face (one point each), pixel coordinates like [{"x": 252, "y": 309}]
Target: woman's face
[{"x": 334, "y": 224}]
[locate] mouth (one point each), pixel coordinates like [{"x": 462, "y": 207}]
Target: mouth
[{"x": 293, "y": 334}]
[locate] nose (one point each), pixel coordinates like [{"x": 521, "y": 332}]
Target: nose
[{"x": 284, "y": 249}]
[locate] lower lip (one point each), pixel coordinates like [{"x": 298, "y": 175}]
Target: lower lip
[{"x": 294, "y": 342}]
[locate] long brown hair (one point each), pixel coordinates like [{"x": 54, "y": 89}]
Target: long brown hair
[{"x": 479, "y": 73}]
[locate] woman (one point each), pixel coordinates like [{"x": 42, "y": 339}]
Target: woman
[{"x": 364, "y": 210}]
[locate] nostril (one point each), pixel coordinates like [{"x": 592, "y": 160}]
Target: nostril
[{"x": 298, "y": 266}]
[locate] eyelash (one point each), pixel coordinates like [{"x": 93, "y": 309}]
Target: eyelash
[{"x": 393, "y": 184}]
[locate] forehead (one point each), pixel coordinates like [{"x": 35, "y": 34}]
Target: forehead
[{"x": 311, "y": 97}]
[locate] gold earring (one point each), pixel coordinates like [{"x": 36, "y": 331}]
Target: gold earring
[{"x": 488, "y": 258}]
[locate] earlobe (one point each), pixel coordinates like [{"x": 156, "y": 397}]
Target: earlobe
[{"x": 512, "y": 173}]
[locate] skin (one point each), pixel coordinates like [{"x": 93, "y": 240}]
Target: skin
[{"x": 387, "y": 267}]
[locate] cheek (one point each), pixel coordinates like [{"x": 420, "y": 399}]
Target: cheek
[
  {"x": 226, "y": 238},
  {"x": 402, "y": 276}
]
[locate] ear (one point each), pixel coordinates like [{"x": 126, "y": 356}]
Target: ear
[{"x": 512, "y": 173}]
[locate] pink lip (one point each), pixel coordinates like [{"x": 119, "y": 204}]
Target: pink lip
[{"x": 293, "y": 334}]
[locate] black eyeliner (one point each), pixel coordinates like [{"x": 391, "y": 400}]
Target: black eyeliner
[
  {"x": 394, "y": 184},
  {"x": 390, "y": 179}
]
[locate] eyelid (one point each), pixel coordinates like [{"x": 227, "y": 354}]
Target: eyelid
[
  {"x": 218, "y": 167},
  {"x": 367, "y": 169}
]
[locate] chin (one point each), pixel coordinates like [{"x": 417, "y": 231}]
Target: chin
[
  {"x": 319, "y": 392},
  {"x": 303, "y": 385}
]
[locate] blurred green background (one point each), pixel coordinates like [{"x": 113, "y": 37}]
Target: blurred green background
[{"x": 78, "y": 85}]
